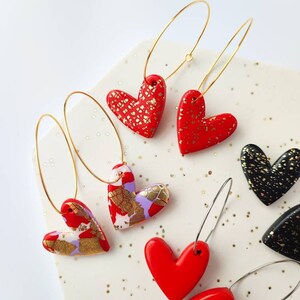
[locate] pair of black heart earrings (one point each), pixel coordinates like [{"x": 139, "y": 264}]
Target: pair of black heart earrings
[
  {"x": 195, "y": 131},
  {"x": 269, "y": 183}
]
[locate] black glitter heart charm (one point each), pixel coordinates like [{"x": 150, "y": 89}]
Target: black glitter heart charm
[
  {"x": 284, "y": 235},
  {"x": 270, "y": 182}
]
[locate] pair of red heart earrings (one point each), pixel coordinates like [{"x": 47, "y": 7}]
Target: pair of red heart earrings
[
  {"x": 178, "y": 276},
  {"x": 127, "y": 207},
  {"x": 194, "y": 130}
]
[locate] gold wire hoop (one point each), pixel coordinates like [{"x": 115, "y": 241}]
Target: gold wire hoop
[
  {"x": 72, "y": 141},
  {"x": 39, "y": 162},
  {"x": 250, "y": 21},
  {"x": 189, "y": 56}
]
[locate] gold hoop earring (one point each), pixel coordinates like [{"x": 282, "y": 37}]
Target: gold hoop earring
[
  {"x": 87, "y": 237},
  {"x": 127, "y": 206},
  {"x": 194, "y": 130},
  {"x": 143, "y": 115}
]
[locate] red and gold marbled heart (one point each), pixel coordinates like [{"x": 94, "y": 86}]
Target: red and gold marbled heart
[
  {"x": 129, "y": 207},
  {"x": 87, "y": 237}
]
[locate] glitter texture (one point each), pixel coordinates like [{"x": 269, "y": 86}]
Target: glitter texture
[
  {"x": 268, "y": 182},
  {"x": 141, "y": 115},
  {"x": 284, "y": 234},
  {"x": 196, "y": 132}
]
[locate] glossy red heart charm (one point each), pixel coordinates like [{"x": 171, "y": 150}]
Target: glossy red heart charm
[
  {"x": 142, "y": 115},
  {"x": 86, "y": 238},
  {"x": 176, "y": 276},
  {"x": 215, "y": 294},
  {"x": 129, "y": 207},
  {"x": 196, "y": 132}
]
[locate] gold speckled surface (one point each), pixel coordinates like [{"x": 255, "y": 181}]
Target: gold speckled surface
[{"x": 265, "y": 101}]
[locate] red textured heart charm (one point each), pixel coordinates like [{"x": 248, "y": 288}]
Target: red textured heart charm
[
  {"x": 87, "y": 237},
  {"x": 215, "y": 294},
  {"x": 194, "y": 131},
  {"x": 142, "y": 115},
  {"x": 176, "y": 276}
]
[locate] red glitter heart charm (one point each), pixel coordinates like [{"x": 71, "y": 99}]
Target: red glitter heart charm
[
  {"x": 142, "y": 115},
  {"x": 176, "y": 276},
  {"x": 87, "y": 237},
  {"x": 215, "y": 294},
  {"x": 196, "y": 132}
]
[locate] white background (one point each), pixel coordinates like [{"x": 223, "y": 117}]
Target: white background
[{"x": 49, "y": 48}]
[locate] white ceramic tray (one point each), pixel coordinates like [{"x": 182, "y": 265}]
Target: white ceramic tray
[{"x": 264, "y": 99}]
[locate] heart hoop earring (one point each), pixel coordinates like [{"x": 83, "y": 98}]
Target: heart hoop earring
[
  {"x": 194, "y": 131},
  {"x": 87, "y": 237},
  {"x": 224, "y": 293},
  {"x": 127, "y": 206},
  {"x": 143, "y": 115},
  {"x": 176, "y": 277}
]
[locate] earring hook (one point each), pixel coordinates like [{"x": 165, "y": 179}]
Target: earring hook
[
  {"x": 265, "y": 266},
  {"x": 229, "y": 180},
  {"x": 250, "y": 21},
  {"x": 72, "y": 141},
  {"x": 188, "y": 56},
  {"x": 39, "y": 162}
]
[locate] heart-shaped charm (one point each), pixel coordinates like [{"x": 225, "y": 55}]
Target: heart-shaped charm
[
  {"x": 176, "y": 276},
  {"x": 221, "y": 293},
  {"x": 270, "y": 182},
  {"x": 196, "y": 132},
  {"x": 142, "y": 115},
  {"x": 86, "y": 238},
  {"x": 284, "y": 235},
  {"x": 128, "y": 207}
]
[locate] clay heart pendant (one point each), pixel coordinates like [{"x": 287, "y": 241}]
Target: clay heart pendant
[
  {"x": 176, "y": 276},
  {"x": 215, "y": 294},
  {"x": 269, "y": 183},
  {"x": 128, "y": 207},
  {"x": 142, "y": 115},
  {"x": 86, "y": 238},
  {"x": 196, "y": 132},
  {"x": 284, "y": 235}
]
